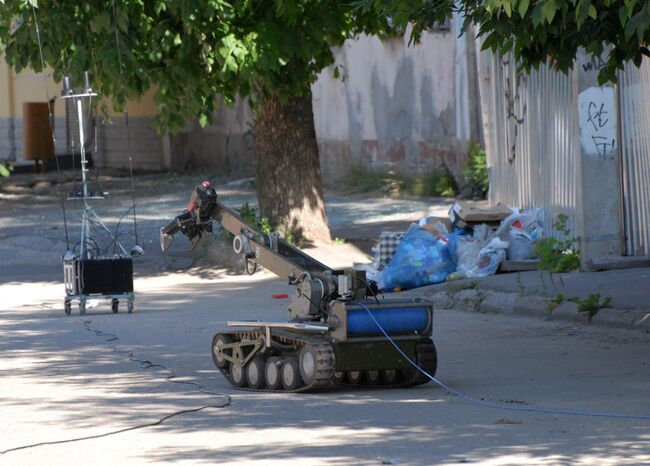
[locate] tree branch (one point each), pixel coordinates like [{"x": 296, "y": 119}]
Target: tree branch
[{"x": 645, "y": 51}]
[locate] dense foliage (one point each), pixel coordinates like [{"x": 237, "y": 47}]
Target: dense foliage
[
  {"x": 190, "y": 51},
  {"x": 537, "y": 31},
  {"x": 477, "y": 182}
]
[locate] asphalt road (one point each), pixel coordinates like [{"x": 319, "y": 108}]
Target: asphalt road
[{"x": 66, "y": 377}]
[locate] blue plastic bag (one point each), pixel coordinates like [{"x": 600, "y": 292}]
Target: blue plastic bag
[{"x": 421, "y": 259}]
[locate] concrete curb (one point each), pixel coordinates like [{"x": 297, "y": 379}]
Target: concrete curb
[{"x": 493, "y": 302}]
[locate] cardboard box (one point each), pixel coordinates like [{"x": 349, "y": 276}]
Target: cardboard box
[
  {"x": 467, "y": 214},
  {"x": 433, "y": 221}
]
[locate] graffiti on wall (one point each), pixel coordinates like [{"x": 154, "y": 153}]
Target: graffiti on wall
[
  {"x": 514, "y": 85},
  {"x": 597, "y": 116}
]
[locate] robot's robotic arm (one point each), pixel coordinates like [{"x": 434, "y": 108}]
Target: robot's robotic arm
[{"x": 315, "y": 283}]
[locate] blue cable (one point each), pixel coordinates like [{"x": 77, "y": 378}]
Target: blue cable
[{"x": 494, "y": 405}]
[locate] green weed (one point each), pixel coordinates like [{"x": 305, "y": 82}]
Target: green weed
[
  {"x": 475, "y": 173},
  {"x": 556, "y": 301},
  {"x": 558, "y": 255},
  {"x": 592, "y": 304}
]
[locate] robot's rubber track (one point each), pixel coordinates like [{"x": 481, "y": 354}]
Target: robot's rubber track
[{"x": 287, "y": 346}]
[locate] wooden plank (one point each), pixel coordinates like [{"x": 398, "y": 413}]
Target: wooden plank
[{"x": 519, "y": 266}]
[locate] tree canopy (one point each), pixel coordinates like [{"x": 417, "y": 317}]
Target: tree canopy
[
  {"x": 539, "y": 31},
  {"x": 191, "y": 50}
]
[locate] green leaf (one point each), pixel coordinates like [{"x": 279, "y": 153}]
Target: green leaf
[
  {"x": 523, "y": 7},
  {"x": 637, "y": 25},
  {"x": 593, "y": 14},
  {"x": 548, "y": 10},
  {"x": 203, "y": 120},
  {"x": 5, "y": 170},
  {"x": 177, "y": 39},
  {"x": 537, "y": 15},
  {"x": 507, "y": 8},
  {"x": 623, "y": 15}
]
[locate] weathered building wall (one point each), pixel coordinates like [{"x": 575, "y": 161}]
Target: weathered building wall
[
  {"x": 139, "y": 140},
  {"x": 115, "y": 143},
  {"x": 16, "y": 89},
  {"x": 393, "y": 106},
  {"x": 225, "y": 148}
]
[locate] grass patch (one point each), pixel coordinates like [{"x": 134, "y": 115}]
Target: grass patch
[{"x": 435, "y": 183}]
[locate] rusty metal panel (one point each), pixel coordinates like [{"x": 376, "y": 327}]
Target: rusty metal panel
[
  {"x": 634, "y": 104},
  {"x": 531, "y": 137}
]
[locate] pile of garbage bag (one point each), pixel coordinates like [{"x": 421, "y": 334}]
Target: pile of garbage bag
[{"x": 434, "y": 249}]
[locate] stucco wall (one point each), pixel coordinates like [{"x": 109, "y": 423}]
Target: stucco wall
[{"x": 391, "y": 108}]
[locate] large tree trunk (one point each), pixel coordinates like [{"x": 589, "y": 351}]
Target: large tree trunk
[{"x": 288, "y": 171}]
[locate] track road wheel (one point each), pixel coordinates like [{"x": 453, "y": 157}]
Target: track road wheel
[
  {"x": 339, "y": 377},
  {"x": 316, "y": 361},
  {"x": 67, "y": 307},
  {"x": 390, "y": 376},
  {"x": 273, "y": 373},
  {"x": 238, "y": 375},
  {"x": 255, "y": 372},
  {"x": 291, "y": 379},
  {"x": 355, "y": 377},
  {"x": 115, "y": 305},
  {"x": 426, "y": 358},
  {"x": 373, "y": 377},
  {"x": 218, "y": 341}
]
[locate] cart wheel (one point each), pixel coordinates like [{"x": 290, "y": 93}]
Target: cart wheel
[
  {"x": 67, "y": 307},
  {"x": 129, "y": 306},
  {"x": 272, "y": 373},
  {"x": 82, "y": 307},
  {"x": 115, "y": 305}
]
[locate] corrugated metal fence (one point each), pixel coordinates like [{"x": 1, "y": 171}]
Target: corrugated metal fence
[
  {"x": 634, "y": 98},
  {"x": 532, "y": 143},
  {"x": 529, "y": 127}
]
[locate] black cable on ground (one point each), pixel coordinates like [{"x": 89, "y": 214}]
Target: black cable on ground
[
  {"x": 145, "y": 364},
  {"x": 115, "y": 432}
]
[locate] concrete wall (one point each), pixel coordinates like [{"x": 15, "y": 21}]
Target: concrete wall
[{"x": 392, "y": 108}]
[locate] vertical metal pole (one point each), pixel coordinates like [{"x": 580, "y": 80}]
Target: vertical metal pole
[{"x": 84, "y": 181}]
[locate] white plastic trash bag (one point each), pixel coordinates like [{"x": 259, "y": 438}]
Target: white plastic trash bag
[
  {"x": 488, "y": 259},
  {"x": 522, "y": 231}
]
